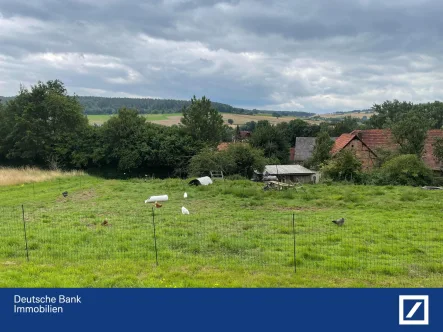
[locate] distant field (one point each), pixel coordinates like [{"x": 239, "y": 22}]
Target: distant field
[
  {"x": 353, "y": 115},
  {"x": 174, "y": 118},
  {"x": 239, "y": 119},
  {"x": 100, "y": 119}
]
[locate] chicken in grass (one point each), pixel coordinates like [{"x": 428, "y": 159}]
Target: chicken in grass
[
  {"x": 339, "y": 222},
  {"x": 157, "y": 205}
]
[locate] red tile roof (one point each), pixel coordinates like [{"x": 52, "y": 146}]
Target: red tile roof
[
  {"x": 341, "y": 142},
  {"x": 376, "y": 139},
  {"x": 245, "y": 134},
  {"x": 382, "y": 139},
  {"x": 222, "y": 146}
]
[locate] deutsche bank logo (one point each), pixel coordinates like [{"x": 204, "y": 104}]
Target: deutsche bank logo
[{"x": 414, "y": 309}]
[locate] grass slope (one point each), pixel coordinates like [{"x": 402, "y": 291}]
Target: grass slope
[{"x": 237, "y": 235}]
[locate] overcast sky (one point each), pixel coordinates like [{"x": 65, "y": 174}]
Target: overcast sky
[{"x": 304, "y": 55}]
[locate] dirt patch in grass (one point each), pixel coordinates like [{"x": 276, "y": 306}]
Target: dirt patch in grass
[
  {"x": 7, "y": 263},
  {"x": 82, "y": 196},
  {"x": 298, "y": 208},
  {"x": 85, "y": 195}
]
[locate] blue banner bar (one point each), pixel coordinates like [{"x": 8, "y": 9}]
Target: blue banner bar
[{"x": 221, "y": 309}]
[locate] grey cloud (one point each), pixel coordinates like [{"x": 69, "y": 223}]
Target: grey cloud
[{"x": 291, "y": 55}]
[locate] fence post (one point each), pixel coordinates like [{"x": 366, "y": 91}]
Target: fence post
[
  {"x": 24, "y": 229},
  {"x": 293, "y": 233},
  {"x": 155, "y": 237}
]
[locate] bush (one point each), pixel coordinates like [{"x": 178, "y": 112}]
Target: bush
[
  {"x": 235, "y": 177},
  {"x": 207, "y": 160},
  {"x": 438, "y": 181},
  {"x": 405, "y": 170},
  {"x": 237, "y": 159},
  {"x": 343, "y": 167}
]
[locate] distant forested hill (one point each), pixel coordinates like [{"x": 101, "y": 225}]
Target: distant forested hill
[
  {"x": 105, "y": 105},
  {"x": 5, "y": 99}
]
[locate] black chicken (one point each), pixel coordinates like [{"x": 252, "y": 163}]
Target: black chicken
[{"x": 339, "y": 222}]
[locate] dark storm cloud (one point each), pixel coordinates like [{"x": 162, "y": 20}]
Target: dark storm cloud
[{"x": 290, "y": 55}]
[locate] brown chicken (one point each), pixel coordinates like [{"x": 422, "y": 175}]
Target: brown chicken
[
  {"x": 158, "y": 205},
  {"x": 105, "y": 223}
]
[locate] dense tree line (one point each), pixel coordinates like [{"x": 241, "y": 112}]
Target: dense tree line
[
  {"x": 104, "y": 105},
  {"x": 46, "y": 127},
  {"x": 111, "y": 105},
  {"x": 301, "y": 128}
]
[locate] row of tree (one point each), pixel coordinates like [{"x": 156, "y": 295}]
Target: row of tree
[
  {"x": 45, "y": 126},
  {"x": 111, "y": 105}
]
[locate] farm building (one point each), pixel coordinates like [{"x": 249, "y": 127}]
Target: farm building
[
  {"x": 244, "y": 135},
  {"x": 367, "y": 143},
  {"x": 290, "y": 173},
  {"x": 304, "y": 147}
]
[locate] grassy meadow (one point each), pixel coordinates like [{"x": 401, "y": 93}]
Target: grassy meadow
[{"x": 236, "y": 235}]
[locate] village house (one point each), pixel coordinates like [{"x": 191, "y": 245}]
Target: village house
[
  {"x": 367, "y": 143},
  {"x": 243, "y": 137}
]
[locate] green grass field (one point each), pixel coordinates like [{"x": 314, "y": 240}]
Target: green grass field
[{"x": 236, "y": 235}]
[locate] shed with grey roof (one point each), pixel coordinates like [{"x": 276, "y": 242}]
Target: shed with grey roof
[{"x": 290, "y": 173}]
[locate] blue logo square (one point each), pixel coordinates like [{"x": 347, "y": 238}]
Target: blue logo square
[{"x": 414, "y": 312}]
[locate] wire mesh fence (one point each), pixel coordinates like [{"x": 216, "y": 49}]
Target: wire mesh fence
[
  {"x": 360, "y": 247},
  {"x": 282, "y": 242},
  {"x": 52, "y": 235},
  {"x": 242, "y": 240}
]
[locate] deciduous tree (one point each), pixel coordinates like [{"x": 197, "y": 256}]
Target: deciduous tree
[
  {"x": 202, "y": 121},
  {"x": 40, "y": 125}
]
